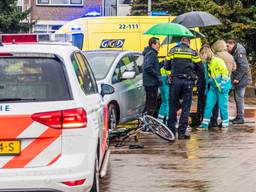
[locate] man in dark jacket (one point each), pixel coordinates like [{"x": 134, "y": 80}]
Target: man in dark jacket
[
  {"x": 241, "y": 77},
  {"x": 151, "y": 75}
]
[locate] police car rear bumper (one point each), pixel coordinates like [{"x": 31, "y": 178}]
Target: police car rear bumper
[
  {"x": 69, "y": 167},
  {"x": 46, "y": 183}
]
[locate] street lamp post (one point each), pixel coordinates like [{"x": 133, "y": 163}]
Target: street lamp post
[{"x": 149, "y": 7}]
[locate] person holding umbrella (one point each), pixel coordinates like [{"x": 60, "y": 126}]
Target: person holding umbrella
[
  {"x": 177, "y": 30},
  {"x": 183, "y": 63}
]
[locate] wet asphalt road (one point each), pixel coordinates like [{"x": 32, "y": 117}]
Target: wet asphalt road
[{"x": 211, "y": 161}]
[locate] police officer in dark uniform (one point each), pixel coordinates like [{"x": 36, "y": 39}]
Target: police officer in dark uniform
[{"x": 183, "y": 62}]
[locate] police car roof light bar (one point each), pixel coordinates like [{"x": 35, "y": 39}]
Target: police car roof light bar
[
  {"x": 18, "y": 38},
  {"x": 35, "y": 38}
]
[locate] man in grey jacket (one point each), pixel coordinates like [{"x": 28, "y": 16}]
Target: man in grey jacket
[
  {"x": 241, "y": 77},
  {"x": 151, "y": 75}
]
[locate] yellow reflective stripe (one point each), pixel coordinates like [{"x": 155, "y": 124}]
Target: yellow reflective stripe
[
  {"x": 164, "y": 71},
  {"x": 178, "y": 56},
  {"x": 183, "y": 53},
  {"x": 196, "y": 59},
  {"x": 169, "y": 57}
]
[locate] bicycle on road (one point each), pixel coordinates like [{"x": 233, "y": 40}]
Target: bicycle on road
[{"x": 145, "y": 123}]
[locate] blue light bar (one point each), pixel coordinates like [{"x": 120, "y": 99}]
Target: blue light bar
[{"x": 92, "y": 14}]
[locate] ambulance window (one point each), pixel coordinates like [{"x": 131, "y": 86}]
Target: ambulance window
[
  {"x": 77, "y": 40},
  {"x": 84, "y": 75},
  {"x": 35, "y": 79},
  {"x": 139, "y": 62}
]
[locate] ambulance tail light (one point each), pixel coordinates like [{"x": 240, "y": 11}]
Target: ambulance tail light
[
  {"x": 74, "y": 183},
  {"x": 64, "y": 119}
]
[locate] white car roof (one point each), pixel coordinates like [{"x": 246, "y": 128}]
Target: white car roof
[{"x": 58, "y": 49}]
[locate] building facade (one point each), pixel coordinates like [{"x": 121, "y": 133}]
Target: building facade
[
  {"x": 124, "y": 7},
  {"x": 50, "y": 15}
]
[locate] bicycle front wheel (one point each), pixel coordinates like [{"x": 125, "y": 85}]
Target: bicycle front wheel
[{"x": 159, "y": 128}]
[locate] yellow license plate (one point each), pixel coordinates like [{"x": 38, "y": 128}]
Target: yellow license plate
[{"x": 10, "y": 147}]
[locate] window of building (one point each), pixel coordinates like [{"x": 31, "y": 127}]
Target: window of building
[
  {"x": 60, "y": 2},
  {"x": 20, "y": 5},
  {"x": 125, "y": 2},
  {"x": 45, "y": 28}
]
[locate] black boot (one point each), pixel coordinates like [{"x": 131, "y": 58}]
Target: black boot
[
  {"x": 231, "y": 120},
  {"x": 238, "y": 121},
  {"x": 213, "y": 124},
  {"x": 182, "y": 137}
]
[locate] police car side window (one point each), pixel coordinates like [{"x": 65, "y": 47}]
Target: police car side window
[
  {"x": 78, "y": 71},
  {"x": 84, "y": 75}
]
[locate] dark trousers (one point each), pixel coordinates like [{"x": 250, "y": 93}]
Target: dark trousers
[
  {"x": 201, "y": 101},
  {"x": 151, "y": 99},
  {"x": 215, "y": 114},
  {"x": 180, "y": 89}
]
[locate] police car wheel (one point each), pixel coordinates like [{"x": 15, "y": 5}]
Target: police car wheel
[
  {"x": 112, "y": 111},
  {"x": 96, "y": 177}
]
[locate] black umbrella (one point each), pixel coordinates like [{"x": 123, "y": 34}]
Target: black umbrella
[
  {"x": 170, "y": 39},
  {"x": 197, "y": 19}
]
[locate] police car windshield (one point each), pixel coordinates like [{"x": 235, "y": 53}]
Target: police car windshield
[
  {"x": 32, "y": 80},
  {"x": 101, "y": 62}
]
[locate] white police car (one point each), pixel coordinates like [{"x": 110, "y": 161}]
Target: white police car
[{"x": 53, "y": 125}]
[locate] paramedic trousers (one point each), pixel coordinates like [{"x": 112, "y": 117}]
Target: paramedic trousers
[
  {"x": 213, "y": 97},
  {"x": 180, "y": 88},
  {"x": 164, "y": 89}
]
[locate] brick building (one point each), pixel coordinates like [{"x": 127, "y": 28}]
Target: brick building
[{"x": 52, "y": 14}]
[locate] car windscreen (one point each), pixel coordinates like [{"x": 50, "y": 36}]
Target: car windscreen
[
  {"x": 32, "y": 79},
  {"x": 100, "y": 63}
]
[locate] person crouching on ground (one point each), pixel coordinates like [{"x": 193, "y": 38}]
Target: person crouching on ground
[
  {"x": 219, "y": 86},
  {"x": 151, "y": 75}
]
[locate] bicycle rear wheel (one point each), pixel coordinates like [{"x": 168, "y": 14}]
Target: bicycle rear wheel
[
  {"x": 159, "y": 128},
  {"x": 119, "y": 133}
]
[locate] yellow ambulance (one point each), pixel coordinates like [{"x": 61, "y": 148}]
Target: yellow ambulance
[{"x": 120, "y": 33}]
